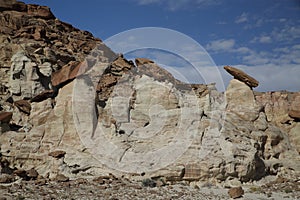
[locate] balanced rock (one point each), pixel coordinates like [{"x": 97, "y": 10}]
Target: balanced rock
[{"x": 242, "y": 76}]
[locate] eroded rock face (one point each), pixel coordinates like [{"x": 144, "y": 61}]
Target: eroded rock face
[{"x": 72, "y": 108}]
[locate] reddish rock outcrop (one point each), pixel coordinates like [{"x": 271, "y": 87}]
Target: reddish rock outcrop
[
  {"x": 31, "y": 9},
  {"x": 40, "y": 11},
  {"x": 12, "y": 5},
  {"x": 142, "y": 61},
  {"x": 68, "y": 72}
]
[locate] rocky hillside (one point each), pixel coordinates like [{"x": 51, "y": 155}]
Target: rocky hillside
[{"x": 70, "y": 107}]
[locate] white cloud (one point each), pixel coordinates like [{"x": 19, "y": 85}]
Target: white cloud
[
  {"x": 265, "y": 39},
  {"x": 221, "y": 45},
  {"x": 242, "y": 18},
  {"x": 254, "y": 58},
  {"x": 146, "y": 2},
  {"x": 179, "y": 4},
  {"x": 262, "y": 39},
  {"x": 282, "y": 20},
  {"x": 241, "y": 50},
  {"x": 286, "y": 34}
]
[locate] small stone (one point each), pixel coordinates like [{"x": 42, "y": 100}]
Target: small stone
[
  {"x": 6, "y": 178},
  {"x": 41, "y": 182},
  {"x": 103, "y": 179},
  {"x": 32, "y": 174},
  {"x": 100, "y": 181},
  {"x": 61, "y": 178},
  {"x": 149, "y": 183},
  {"x": 236, "y": 192},
  {"x": 21, "y": 173},
  {"x": 102, "y": 187},
  {"x": 57, "y": 154},
  {"x": 81, "y": 181}
]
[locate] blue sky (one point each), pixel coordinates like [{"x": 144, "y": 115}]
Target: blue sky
[{"x": 261, "y": 37}]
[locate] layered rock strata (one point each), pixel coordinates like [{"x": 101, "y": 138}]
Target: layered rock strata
[{"x": 71, "y": 106}]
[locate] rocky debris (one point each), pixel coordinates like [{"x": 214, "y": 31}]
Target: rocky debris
[
  {"x": 125, "y": 189},
  {"x": 242, "y": 76},
  {"x": 57, "y": 154},
  {"x": 236, "y": 192},
  {"x": 23, "y": 105},
  {"x": 280, "y": 184}
]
